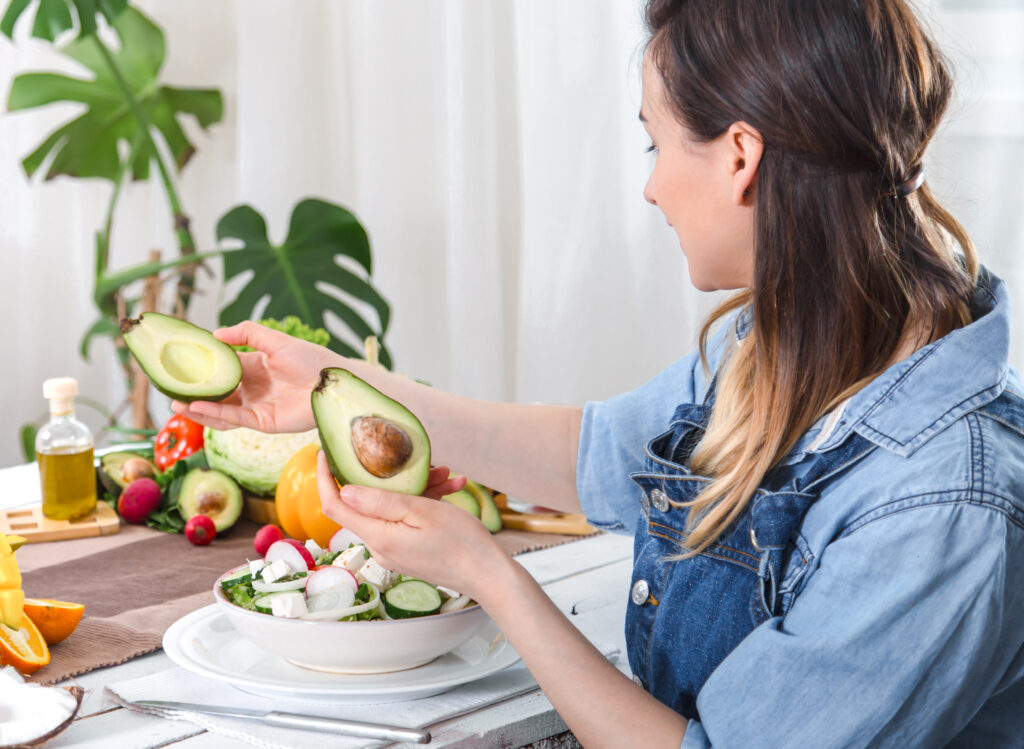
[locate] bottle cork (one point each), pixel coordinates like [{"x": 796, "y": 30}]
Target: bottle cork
[{"x": 61, "y": 392}]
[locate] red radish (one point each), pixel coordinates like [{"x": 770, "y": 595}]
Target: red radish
[
  {"x": 342, "y": 539},
  {"x": 296, "y": 557},
  {"x": 138, "y": 499},
  {"x": 330, "y": 578},
  {"x": 265, "y": 536},
  {"x": 200, "y": 530}
]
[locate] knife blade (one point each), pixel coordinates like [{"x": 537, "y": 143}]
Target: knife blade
[{"x": 297, "y": 720}]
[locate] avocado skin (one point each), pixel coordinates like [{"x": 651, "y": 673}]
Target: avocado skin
[
  {"x": 110, "y": 470},
  {"x": 154, "y": 375},
  {"x": 188, "y": 499},
  {"x": 489, "y": 514},
  {"x": 338, "y": 377}
]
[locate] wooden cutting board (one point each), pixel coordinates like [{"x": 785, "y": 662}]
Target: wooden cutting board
[{"x": 30, "y": 523}]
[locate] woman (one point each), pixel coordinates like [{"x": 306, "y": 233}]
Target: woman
[{"x": 829, "y": 524}]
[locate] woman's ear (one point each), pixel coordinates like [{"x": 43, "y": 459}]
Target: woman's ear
[{"x": 744, "y": 147}]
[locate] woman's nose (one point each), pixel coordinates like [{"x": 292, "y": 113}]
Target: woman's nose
[{"x": 649, "y": 191}]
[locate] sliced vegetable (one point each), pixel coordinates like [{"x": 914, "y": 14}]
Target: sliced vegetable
[
  {"x": 330, "y": 578},
  {"x": 454, "y": 604},
  {"x": 329, "y": 614},
  {"x": 412, "y": 598},
  {"x": 238, "y": 578},
  {"x": 294, "y": 555},
  {"x": 343, "y": 539},
  {"x": 261, "y": 586}
]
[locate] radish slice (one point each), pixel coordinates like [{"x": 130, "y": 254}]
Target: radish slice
[
  {"x": 322, "y": 614},
  {"x": 306, "y": 553},
  {"x": 454, "y": 604},
  {"x": 342, "y": 539},
  {"x": 329, "y": 578},
  {"x": 290, "y": 554},
  {"x": 263, "y": 587}
]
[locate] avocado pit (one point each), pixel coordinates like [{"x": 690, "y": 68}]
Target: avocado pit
[
  {"x": 211, "y": 503},
  {"x": 381, "y": 446},
  {"x": 137, "y": 468}
]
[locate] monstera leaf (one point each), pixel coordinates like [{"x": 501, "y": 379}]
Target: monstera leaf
[
  {"x": 124, "y": 85},
  {"x": 302, "y": 275},
  {"x": 54, "y": 17}
]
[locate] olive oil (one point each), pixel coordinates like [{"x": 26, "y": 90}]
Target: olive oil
[
  {"x": 68, "y": 480},
  {"x": 64, "y": 452}
]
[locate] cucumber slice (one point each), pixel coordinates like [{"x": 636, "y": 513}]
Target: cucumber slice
[
  {"x": 240, "y": 577},
  {"x": 412, "y": 598}
]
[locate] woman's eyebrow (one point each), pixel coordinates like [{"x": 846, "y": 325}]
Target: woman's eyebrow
[{"x": 642, "y": 118}]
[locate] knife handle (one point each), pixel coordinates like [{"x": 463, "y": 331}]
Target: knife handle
[{"x": 348, "y": 727}]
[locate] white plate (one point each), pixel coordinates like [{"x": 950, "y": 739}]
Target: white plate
[{"x": 205, "y": 643}]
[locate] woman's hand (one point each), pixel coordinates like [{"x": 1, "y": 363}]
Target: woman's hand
[
  {"x": 277, "y": 379},
  {"x": 418, "y": 536}
]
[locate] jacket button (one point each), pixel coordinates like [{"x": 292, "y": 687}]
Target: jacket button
[
  {"x": 660, "y": 500},
  {"x": 641, "y": 590}
]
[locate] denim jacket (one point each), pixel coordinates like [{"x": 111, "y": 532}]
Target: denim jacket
[{"x": 901, "y": 616}]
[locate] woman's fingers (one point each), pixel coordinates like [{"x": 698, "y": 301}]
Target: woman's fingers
[
  {"x": 222, "y": 415},
  {"x": 372, "y": 507},
  {"x": 207, "y": 421},
  {"x": 440, "y": 482},
  {"x": 246, "y": 333}
]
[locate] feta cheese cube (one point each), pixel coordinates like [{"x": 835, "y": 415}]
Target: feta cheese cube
[
  {"x": 289, "y": 605},
  {"x": 255, "y": 565},
  {"x": 351, "y": 559},
  {"x": 314, "y": 548},
  {"x": 275, "y": 571},
  {"x": 374, "y": 573}
]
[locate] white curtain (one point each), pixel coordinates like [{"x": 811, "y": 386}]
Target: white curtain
[{"x": 493, "y": 152}]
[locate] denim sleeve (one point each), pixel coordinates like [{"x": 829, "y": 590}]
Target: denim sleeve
[
  {"x": 901, "y": 633},
  {"x": 613, "y": 435}
]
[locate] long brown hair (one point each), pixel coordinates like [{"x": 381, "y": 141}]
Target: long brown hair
[{"x": 847, "y": 95}]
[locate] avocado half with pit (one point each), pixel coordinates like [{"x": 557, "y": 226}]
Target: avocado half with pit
[
  {"x": 207, "y": 491},
  {"x": 369, "y": 439},
  {"x": 182, "y": 360},
  {"x": 117, "y": 470}
]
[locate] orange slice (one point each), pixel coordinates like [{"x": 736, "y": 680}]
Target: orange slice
[
  {"x": 23, "y": 648},
  {"x": 55, "y": 619}
]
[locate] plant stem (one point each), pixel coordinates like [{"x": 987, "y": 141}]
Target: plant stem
[
  {"x": 108, "y": 225},
  {"x": 186, "y": 242}
]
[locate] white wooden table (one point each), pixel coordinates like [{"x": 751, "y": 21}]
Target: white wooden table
[{"x": 588, "y": 580}]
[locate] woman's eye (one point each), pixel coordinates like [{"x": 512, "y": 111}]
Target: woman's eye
[{"x": 651, "y": 149}]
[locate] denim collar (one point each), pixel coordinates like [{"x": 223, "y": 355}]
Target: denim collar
[{"x": 920, "y": 396}]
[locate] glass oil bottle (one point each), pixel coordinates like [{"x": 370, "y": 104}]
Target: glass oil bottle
[{"x": 64, "y": 452}]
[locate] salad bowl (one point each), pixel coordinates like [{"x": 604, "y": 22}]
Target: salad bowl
[{"x": 352, "y": 647}]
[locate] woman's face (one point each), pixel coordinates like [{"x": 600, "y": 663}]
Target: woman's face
[{"x": 694, "y": 186}]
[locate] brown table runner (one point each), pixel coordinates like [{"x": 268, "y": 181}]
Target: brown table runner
[{"x": 138, "y": 582}]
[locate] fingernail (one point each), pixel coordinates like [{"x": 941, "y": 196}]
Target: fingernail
[{"x": 350, "y": 493}]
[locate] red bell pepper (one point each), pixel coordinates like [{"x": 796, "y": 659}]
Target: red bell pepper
[{"x": 179, "y": 438}]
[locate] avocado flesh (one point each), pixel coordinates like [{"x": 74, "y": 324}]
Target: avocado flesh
[
  {"x": 369, "y": 439},
  {"x": 464, "y": 499},
  {"x": 489, "y": 514},
  {"x": 119, "y": 469},
  {"x": 182, "y": 360},
  {"x": 206, "y": 491}
]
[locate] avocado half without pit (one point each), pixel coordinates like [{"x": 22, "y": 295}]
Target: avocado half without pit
[
  {"x": 182, "y": 360},
  {"x": 369, "y": 439}
]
